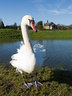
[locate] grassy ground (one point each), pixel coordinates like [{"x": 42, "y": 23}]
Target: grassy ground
[
  {"x": 52, "y": 35},
  {"x": 12, "y": 35},
  {"x": 9, "y": 35},
  {"x": 55, "y": 83}
]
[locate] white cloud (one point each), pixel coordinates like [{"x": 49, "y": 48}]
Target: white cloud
[
  {"x": 70, "y": 13},
  {"x": 54, "y": 11},
  {"x": 70, "y": 7},
  {"x": 59, "y": 11}
]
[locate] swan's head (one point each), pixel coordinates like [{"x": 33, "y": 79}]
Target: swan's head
[{"x": 29, "y": 21}]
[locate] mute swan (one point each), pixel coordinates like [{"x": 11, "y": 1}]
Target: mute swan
[{"x": 25, "y": 59}]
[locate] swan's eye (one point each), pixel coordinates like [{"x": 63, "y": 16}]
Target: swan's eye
[{"x": 31, "y": 21}]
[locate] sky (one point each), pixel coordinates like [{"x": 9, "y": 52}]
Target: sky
[{"x": 57, "y": 11}]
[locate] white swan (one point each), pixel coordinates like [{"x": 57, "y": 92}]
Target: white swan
[{"x": 25, "y": 60}]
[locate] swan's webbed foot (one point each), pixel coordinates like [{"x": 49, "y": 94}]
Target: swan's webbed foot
[
  {"x": 26, "y": 85},
  {"x": 36, "y": 83}
]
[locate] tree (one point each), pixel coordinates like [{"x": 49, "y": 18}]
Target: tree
[
  {"x": 39, "y": 25},
  {"x": 58, "y": 26},
  {"x": 1, "y": 24},
  {"x": 15, "y": 26}
]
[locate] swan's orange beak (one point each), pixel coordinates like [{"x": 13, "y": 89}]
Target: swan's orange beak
[{"x": 33, "y": 26}]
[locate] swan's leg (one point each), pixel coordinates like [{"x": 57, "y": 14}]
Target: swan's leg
[
  {"x": 37, "y": 83},
  {"x": 25, "y": 84}
]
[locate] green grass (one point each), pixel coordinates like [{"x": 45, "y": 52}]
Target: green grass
[
  {"x": 13, "y": 35},
  {"x": 9, "y": 35},
  {"x": 55, "y": 83},
  {"x": 52, "y": 35}
]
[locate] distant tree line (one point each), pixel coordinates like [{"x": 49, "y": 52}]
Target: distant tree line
[
  {"x": 62, "y": 27},
  {"x": 39, "y": 25},
  {"x": 14, "y": 26}
]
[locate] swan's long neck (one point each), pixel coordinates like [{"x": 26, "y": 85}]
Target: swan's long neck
[{"x": 26, "y": 38}]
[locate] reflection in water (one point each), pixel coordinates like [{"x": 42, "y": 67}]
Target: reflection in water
[{"x": 58, "y": 53}]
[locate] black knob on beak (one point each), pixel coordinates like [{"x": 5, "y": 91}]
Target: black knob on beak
[{"x": 36, "y": 30}]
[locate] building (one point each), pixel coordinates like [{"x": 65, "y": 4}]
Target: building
[
  {"x": 49, "y": 26},
  {"x": 19, "y": 28}
]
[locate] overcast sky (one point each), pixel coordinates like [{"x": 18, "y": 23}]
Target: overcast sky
[{"x": 57, "y": 11}]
